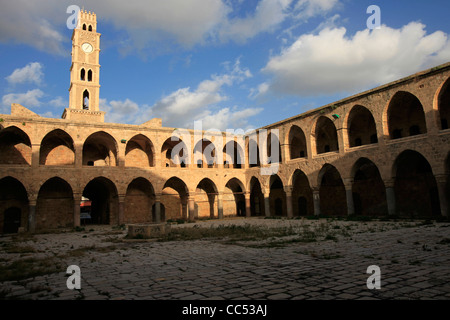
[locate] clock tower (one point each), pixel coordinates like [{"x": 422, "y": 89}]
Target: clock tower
[{"x": 84, "y": 90}]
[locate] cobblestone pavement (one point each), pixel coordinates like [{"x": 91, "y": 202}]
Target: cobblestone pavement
[{"x": 414, "y": 258}]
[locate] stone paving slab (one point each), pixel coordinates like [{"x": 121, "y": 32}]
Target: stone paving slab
[{"x": 414, "y": 260}]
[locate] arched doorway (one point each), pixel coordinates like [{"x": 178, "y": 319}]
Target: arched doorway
[
  {"x": 55, "y": 203},
  {"x": 256, "y": 198},
  {"x": 333, "y": 198},
  {"x": 325, "y": 136},
  {"x": 369, "y": 192},
  {"x": 139, "y": 152},
  {"x": 174, "y": 199},
  {"x": 102, "y": 193},
  {"x": 140, "y": 197},
  {"x": 277, "y": 197},
  {"x": 302, "y": 196},
  {"x": 415, "y": 186},
  {"x": 13, "y": 204}
]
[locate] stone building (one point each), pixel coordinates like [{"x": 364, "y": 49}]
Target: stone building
[{"x": 381, "y": 152}]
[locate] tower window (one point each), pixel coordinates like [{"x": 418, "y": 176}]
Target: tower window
[
  {"x": 84, "y": 26},
  {"x": 82, "y": 75},
  {"x": 86, "y": 100},
  {"x": 90, "y": 75},
  {"x": 90, "y": 28}
]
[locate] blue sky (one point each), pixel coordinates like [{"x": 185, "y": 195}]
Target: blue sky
[{"x": 230, "y": 63}]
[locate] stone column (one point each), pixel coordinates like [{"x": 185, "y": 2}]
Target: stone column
[
  {"x": 442, "y": 189},
  {"x": 32, "y": 216},
  {"x": 248, "y": 211},
  {"x": 220, "y": 205},
  {"x": 121, "y": 210},
  {"x": 290, "y": 211},
  {"x": 184, "y": 210},
  {"x": 267, "y": 203},
  {"x": 76, "y": 210},
  {"x": 348, "y": 183},
  {"x": 390, "y": 197},
  {"x": 316, "y": 199},
  {"x": 191, "y": 202}
]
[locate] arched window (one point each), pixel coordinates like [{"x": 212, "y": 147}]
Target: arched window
[
  {"x": 86, "y": 100},
  {"x": 84, "y": 26},
  {"x": 82, "y": 74},
  {"x": 90, "y": 76},
  {"x": 90, "y": 28}
]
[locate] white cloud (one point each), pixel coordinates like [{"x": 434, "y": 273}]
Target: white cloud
[
  {"x": 59, "y": 102},
  {"x": 184, "y": 106},
  {"x": 41, "y": 24},
  {"x": 31, "y": 73},
  {"x": 262, "y": 89},
  {"x": 331, "y": 61},
  {"x": 267, "y": 16},
  {"x": 28, "y": 99},
  {"x": 119, "y": 111},
  {"x": 309, "y": 8}
]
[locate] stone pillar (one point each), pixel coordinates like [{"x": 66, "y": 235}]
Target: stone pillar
[
  {"x": 184, "y": 210},
  {"x": 76, "y": 210},
  {"x": 442, "y": 189},
  {"x": 32, "y": 216},
  {"x": 316, "y": 199},
  {"x": 220, "y": 205},
  {"x": 390, "y": 197},
  {"x": 349, "y": 194},
  {"x": 267, "y": 203},
  {"x": 191, "y": 203},
  {"x": 121, "y": 210},
  {"x": 290, "y": 211},
  {"x": 248, "y": 211}
]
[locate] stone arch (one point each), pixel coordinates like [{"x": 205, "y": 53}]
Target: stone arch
[
  {"x": 139, "y": 200},
  {"x": 405, "y": 116},
  {"x": 443, "y": 105},
  {"x": 234, "y": 198},
  {"x": 325, "y": 135},
  {"x": 174, "y": 198},
  {"x": 55, "y": 205},
  {"x": 369, "y": 192},
  {"x": 100, "y": 149},
  {"x": 415, "y": 186},
  {"x": 167, "y": 156},
  {"x": 233, "y": 155},
  {"x": 205, "y": 154},
  {"x": 257, "y": 207},
  {"x": 57, "y": 148},
  {"x": 297, "y": 143},
  {"x": 13, "y": 205},
  {"x": 205, "y": 199},
  {"x": 104, "y": 201},
  {"x": 302, "y": 195},
  {"x": 361, "y": 127},
  {"x": 277, "y": 197},
  {"x": 333, "y": 198},
  {"x": 15, "y": 146},
  {"x": 139, "y": 152}
]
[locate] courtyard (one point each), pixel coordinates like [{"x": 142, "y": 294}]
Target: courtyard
[{"x": 233, "y": 259}]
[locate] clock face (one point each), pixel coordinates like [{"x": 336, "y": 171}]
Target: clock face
[{"x": 87, "y": 47}]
